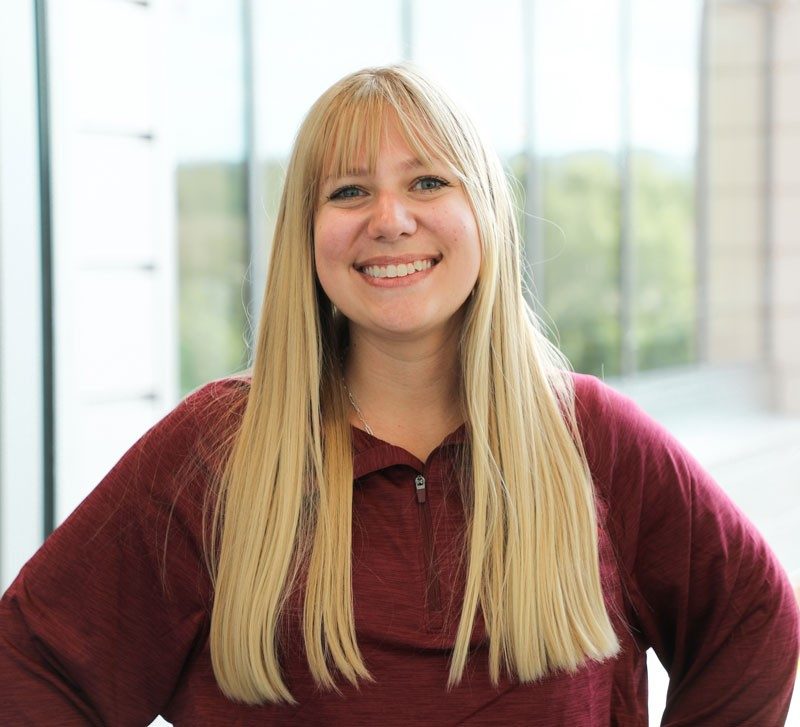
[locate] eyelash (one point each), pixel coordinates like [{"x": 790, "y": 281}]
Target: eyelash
[
  {"x": 441, "y": 182},
  {"x": 338, "y": 194}
]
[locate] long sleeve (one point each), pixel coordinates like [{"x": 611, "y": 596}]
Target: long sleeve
[
  {"x": 705, "y": 590},
  {"x": 98, "y": 624}
]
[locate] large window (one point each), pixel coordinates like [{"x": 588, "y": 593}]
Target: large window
[
  {"x": 592, "y": 108},
  {"x": 615, "y": 109}
]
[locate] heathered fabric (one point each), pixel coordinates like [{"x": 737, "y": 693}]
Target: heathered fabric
[{"x": 90, "y": 635}]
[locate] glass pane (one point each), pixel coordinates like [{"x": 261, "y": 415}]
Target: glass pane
[
  {"x": 296, "y": 60},
  {"x": 577, "y": 101},
  {"x": 208, "y": 115},
  {"x": 484, "y": 76},
  {"x": 580, "y": 241},
  {"x": 665, "y": 42}
]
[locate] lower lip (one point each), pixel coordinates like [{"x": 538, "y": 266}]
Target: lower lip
[{"x": 400, "y": 281}]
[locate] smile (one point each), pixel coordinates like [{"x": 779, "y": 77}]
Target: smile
[{"x": 397, "y": 271}]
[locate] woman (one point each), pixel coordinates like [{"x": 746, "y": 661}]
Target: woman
[{"x": 410, "y": 510}]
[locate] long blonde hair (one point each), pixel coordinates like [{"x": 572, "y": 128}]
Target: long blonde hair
[{"x": 283, "y": 512}]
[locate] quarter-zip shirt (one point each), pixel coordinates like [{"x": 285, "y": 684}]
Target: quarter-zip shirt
[{"x": 108, "y": 623}]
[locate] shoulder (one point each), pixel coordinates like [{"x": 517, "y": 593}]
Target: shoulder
[
  {"x": 613, "y": 426},
  {"x": 636, "y": 464},
  {"x": 648, "y": 478},
  {"x": 625, "y": 446},
  {"x": 214, "y": 399},
  {"x": 210, "y": 413}
]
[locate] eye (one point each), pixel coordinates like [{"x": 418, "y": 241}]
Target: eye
[
  {"x": 348, "y": 192},
  {"x": 429, "y": 184}
]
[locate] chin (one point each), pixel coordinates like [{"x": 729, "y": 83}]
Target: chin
[{"x": 412, "y": 330}]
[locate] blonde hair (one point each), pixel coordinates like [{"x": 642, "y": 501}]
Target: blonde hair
[{"x": 283, "y": 516}]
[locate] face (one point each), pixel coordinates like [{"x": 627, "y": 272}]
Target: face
[{"x": 397, "y": 250}]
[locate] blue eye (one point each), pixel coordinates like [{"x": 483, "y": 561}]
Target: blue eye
[
  {"x": 428, "y": 184},
  {"x": 346, "y": 193}
]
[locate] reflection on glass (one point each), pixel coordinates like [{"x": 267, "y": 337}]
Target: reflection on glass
[
  {"x": 577, "y": 93},
  {"x": 581, "y": 252},
  {"x": 301, "y": 48},
  {"x": 213, "y": 257},
  {"x": 208, "y": 112},
  {"x": 579, "y": 136},
  {"x": 475, "y": 49},
  {"x": 572, "y": 151},
  {"x": 665, "y": 42}
]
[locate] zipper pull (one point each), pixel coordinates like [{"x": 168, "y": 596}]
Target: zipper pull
[{"x": 419, "y": 483}]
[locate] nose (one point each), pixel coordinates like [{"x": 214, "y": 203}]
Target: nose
[{"x": 391, "y": 217}]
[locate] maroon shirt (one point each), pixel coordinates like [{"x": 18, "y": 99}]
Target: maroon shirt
[{"x": 88, "y": 634}]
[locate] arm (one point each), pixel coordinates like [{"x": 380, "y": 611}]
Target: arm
[
  {"x": 706, "y": 591},
  {"x": 98, "y": 624}
]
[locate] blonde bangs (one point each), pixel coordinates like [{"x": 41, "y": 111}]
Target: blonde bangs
[{"x": 354, "y": 125}]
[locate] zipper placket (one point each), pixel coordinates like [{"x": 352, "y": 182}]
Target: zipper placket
[{"x": 432, "y": 582}]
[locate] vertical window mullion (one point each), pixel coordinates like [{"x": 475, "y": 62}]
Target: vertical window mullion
[{"x": 48, "y": 373}]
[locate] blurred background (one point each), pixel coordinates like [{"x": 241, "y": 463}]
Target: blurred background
[{"x": 655, "y": 149}]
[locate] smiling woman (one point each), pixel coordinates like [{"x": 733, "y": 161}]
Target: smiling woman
[
  {"x": 386, "y": 169},
  {"x": 409, "y": 510},
  {"x": 370, "y": 227}
]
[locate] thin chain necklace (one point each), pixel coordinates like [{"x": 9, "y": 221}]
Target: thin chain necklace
[{"x": 357, "y": 408}]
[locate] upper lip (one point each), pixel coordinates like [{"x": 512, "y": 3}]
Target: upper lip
[{"x": 396, "y": 259}]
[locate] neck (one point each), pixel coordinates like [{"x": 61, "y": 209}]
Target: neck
[{"x": 399, "y": 385}]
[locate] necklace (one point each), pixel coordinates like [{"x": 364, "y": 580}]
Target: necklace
[{"x": 357, "y": 408}]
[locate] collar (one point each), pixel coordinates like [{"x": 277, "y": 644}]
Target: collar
[{"x": 371, "y": 453}]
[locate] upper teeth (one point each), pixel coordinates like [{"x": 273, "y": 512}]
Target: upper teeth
[{"x": 396, "y": 271}]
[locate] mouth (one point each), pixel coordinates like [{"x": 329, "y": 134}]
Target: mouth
[{"x": 399, "y": 269}]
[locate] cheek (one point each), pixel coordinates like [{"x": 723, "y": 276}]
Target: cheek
[
  {"x": 330, "y": 241},
  {"x": 466, "y": 239},
  {"x": 329, "y": 257}
]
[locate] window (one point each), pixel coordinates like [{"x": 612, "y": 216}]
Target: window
[{"x": 207, "y": 104}]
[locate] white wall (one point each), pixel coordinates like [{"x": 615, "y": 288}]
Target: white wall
[
  {"x": 735, "y": 148},
  {"x": 785, "y": 206}
]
